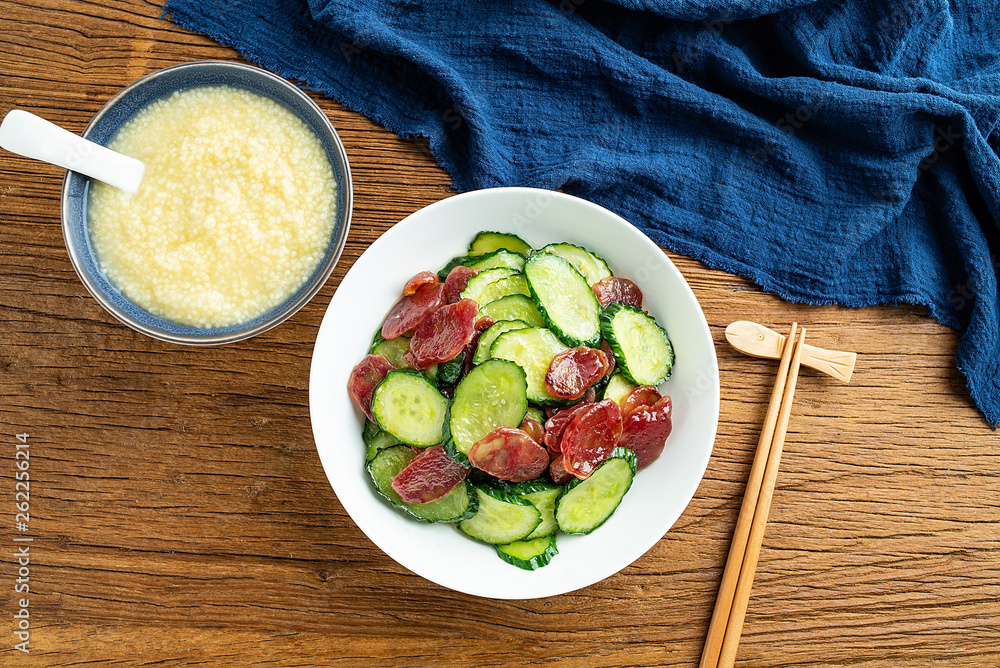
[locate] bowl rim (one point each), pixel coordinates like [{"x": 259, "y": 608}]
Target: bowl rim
[
  {"x": 358, "y": 508},
  {"x": 347, "y": 193}
]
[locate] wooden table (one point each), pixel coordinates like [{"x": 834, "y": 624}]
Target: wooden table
[{"x": 180, "y": 516}]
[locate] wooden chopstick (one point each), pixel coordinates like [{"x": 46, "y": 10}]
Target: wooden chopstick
[{"x": 737, "y": 580}]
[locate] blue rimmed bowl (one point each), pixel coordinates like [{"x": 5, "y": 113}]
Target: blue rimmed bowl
[{"x": 122, "y": 107}]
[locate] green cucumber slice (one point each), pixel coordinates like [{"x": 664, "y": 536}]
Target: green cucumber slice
[
  {"x": 458, "y": 504},
  {"x": 410, "y": 408},
  {"x": 641, "y": 347},
  {"x": 522, "y": 488},
  {"x": 592, "y": 267},
  {"x": 564, "y": 299},
  {"x": 535, "y": 414},
  {"x": 488, "y": 242},
  {"x": 514, "y": 307},
  {"x": 545, "y": 500},
  {"x": 369, "y": 431},
  {"x": 457, "y": 261},
  {"x": 479, "y": 283},
  {"x": 449, "y": 372},
  {"x": 618, "y": 388},
  {"x": 489, "y": 336},
  {"x": 532, "y": 349},
  {"x": 492, "y": 395},
  {"x": 500, "y": 258},
  {"x": 587, "y": 504},
  {"x": 378, "y": 443},
  {"x": 393, "y": 349},
  {"x": 502, "y": 518},
  {"x": 529, "y": 554},
  {"x": 511, "y": 285},
  {"x": 543, "y": 494}
]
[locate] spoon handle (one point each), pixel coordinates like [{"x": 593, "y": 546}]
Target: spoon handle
[
  {"x": 759, "y": 341},
  {"x": 34, "y": 137}
]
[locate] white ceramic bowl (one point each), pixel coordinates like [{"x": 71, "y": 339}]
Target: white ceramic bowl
[{"x": 426, "y": 240}]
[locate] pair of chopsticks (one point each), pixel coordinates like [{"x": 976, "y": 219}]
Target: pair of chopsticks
[{"x": 737, "y": 580}]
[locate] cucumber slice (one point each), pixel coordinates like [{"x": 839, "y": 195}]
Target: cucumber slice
[
  {"x": 488, "y": 242},
  {"x": 590, "y": 266},
  {"x": 432, "y": 373},
  {"x": 618, "y": 388},
  {"x": 393, "y": 350},
  {"x": 564, "y": 299},
  {"x": 545, "y": 500},
  {"x": 502, "y": 518},
  {"x": 410, "y": 408},
  {"x": 492, "y": 395},
  {"x": 380, "y": 442},
  {"x": 532, "y": 349},
  {"x": 500, "y": 258},
  {"x": 641, "y": 347},
  {"x": 369, "y": 431},
  {"x": 457, "y": 261},
  {"x": 512, "y": 285},
  {"x": 543, "y": 494},
  {"x": 478, "y": 284},
  {"x": 522, "y": 488},
  {"x": 587, "y": 504},
  {"x": 450, "y": 372},
  {"x": 489, "y": 336},
  {"x": 514, "y": 307},
  {"x": 458, "y": 504},
  {"x": 536, "y": 414},
  {"x": 529, "y": 554}
]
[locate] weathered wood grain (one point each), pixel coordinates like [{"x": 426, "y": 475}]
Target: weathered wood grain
[{"x": 181, "y": 516}]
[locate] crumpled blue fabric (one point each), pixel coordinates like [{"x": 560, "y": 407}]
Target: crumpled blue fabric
[{"x": 835, "y": 152}]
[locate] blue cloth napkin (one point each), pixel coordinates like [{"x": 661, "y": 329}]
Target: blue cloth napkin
[{"x": 835, "y": 152}]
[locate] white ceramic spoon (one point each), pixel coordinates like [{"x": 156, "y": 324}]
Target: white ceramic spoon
[{"x": 34, "y": 137}]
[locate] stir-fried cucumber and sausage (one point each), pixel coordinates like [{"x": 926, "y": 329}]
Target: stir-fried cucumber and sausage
[{"x": 513, "y": 394}]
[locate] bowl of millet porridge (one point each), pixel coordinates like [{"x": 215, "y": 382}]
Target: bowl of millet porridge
[{"x": 241, "y": 215}]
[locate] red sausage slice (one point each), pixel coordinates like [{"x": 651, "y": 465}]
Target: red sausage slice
[
  {"x": 509, "y": 454},
  {"x": 644, "y": 395},
  {"x": 558, "y": 472},
  {"x": 442, "y": 334},
  {"x": 609, "y": 355},
  {"x": 556, "y": 425},
  {"x": 572, "y": 372},
  {"x": 364, "y": 378},
  {"x": 429, "y": 476},
  {"x": 646, "y": 430},
  {"x": 411, "y": 310},
  {"x": 482, "y": 325},
  {"x": 458, "y": 280},
  {"x": 533, "y": 428},
  {"x": 614, "y": 289},
  {"x": 590, "y": 437},
  {"x": 606, "y": 349},
  {"x": 423, "y": 278}
]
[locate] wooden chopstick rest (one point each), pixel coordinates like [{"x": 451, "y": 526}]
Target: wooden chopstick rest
[{"x": 759, "y": 341}]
